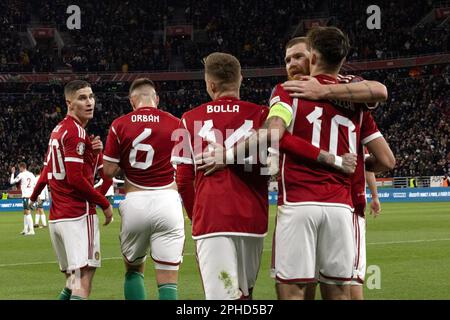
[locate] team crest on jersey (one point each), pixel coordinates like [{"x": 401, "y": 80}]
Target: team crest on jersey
[
  {"x": 97, "y": 255},
  {"x": 80, "y": 148}
]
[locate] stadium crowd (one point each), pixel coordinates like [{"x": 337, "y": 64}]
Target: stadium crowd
[
  {"x": 130, "y": 37},
  {"x": 414, "y": 120}
]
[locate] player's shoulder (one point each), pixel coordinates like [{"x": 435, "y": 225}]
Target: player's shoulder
[
  {"x": 71, "y": 128},
  {"x": 198, "y": 110},
  {"x": 279, "y": 94},
  {"x": 122, "y": 120},
  {"x": 28, "y": 173},
  {"x": 254, "y": 108},
  {"x": 170, "y": 117},
  {"x": 278, "y": 88}
]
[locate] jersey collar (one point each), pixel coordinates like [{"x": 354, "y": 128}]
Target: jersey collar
[
  {"x": 74, "y": 119},
  {"x": 326, "y": 79},
  {"x": 229, "y": 98}
]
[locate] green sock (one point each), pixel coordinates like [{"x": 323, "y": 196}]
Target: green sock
[
  {"x": 168, "y": 291},
  {"x": 73, "y": 297},
  {"x": 65, "y": 294},
  {"x": 134, "y": 288}
]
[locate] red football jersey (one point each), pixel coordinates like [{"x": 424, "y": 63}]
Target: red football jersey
[
  {"x": 141, "y": 143},
  {"x": 233, "y": 201},
  {"x": 330, "y": 128},
  {"x": 69, "y": 143}
]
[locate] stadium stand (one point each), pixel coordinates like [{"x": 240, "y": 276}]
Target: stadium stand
[
  {"x": 248, "y": 29},
  {"x": 414, "y": 120}
]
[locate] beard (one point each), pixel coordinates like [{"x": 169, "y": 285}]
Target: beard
[{"x": 295, "y": 73}]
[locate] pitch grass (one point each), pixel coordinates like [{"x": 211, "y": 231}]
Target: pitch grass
[{"x": 410, "y": 243}]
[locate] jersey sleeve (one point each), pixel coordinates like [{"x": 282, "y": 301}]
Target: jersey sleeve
[
  {"x": 298, "y": 147},
  {"x": 369, "y": 129},
  {"x": 15, "y": 180},
  {"x": 185, "y": 176},
  {"x": 74, "y": 144},
  {"x": 112, "y": 148},
  {"x": 281, "y": 105},
  {"x": 182, "y": 150}
]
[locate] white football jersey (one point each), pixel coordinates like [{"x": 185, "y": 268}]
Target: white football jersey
[{"x": 27, "y": 182}]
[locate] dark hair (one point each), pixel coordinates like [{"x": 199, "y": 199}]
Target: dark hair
[
  {"x": 140, "y": 82},
  {"x": 295, "y": 41},
  {"x": 223, "y": 67},
  {"x": 331, "y": 43},
  {"x": 75, "y": 85}
]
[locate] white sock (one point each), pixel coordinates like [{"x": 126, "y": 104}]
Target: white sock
[
  {"x": 36, "y": 218},
  {"x": 30, "y": 223},
  {"x": 25, "y": 223},
  {"x": 44, "y": 221}
]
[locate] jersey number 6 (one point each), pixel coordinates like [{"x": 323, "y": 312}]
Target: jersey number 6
[{"x": 137, "y": 145}]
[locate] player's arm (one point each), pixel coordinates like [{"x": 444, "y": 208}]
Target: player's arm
[
  {"x": 98, "y": 184},
  {"x": 364, "y": 91},
  {"x": 279, "y": 118},
  {"x": 111, "y": 169},
  {"x": 185, "y": 171},
  {"x": 185, "y": 182},
  {"x": 111, "y": 157},
  {"x": 381, "y": 158},
  {"x": 40, "y": 184},
  {"x": 74, "y": 162},
  {"x": 77, "y": 181},
  {"x": 375, "y": 206},
  {"x": 15, "y": 180},
  {"x": 106, "y": 181}
]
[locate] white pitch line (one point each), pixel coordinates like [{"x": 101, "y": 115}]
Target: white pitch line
[
  {"x": 407, "y": 241},
  {"x": 191, "y": 254}
]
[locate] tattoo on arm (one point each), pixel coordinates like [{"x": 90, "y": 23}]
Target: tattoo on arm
[
  {"x": 370, "y": 89},
  {"x": 325, "y": 158},
  {"x": 349, "y": 92}
]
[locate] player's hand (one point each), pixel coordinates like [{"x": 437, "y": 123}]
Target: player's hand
[
  {"x": 13, "y": 170},
  {"x": 349, "y": 163},
  {"x": 108, "y": 215},
  {"x": 273, "y": 162},
  {"x": 305, "y": 87},
  {"x": 97, "y": 144},
  {"x": 375, "y": 207},
  {"x": 212, "y": 159}
]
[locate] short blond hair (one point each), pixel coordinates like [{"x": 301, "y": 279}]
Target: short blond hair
[{"x": 224, "y": 68}]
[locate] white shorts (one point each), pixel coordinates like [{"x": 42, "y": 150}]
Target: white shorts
[
  {"x": 229, "y": 265},
  {"x": 359, "y": 229},
  {"x": 76, "y": 242},
  {"x": 152, "y": 220},
  {"x": 309, "y": 238}
]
